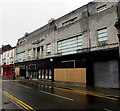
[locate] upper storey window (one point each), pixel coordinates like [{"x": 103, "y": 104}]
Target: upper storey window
[
  {"x": 21, "y": 57},
  {"x": 29, "y": 53},
  {"x": 102, "y": 8},
  {"x": 102, "y": 34},
  {"x": 69, "y": 21},
  {"x": 70, "y": 45},
  {"x": 48, "y": 48},
  {"x": 22, "y": 42}
]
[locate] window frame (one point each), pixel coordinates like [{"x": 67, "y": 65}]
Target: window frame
[
  {"x": 48, "y": 49},
  {"x": 102, "y": 8},
  {"x": 30, "y": 53},
  {"x": 21, "y": 56},
  {"x": 104, "y": 34},
  {"x": 65, "y": 46},
  {"x": 70, "y": 21}
]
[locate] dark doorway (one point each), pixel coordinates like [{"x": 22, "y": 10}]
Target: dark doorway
[{"x": 22, "y": 72}]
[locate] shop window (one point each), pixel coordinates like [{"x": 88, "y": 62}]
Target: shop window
[
  {"x": 39, "y": 72},
  {"x": 12, "y": 71},
  {"x": 32, "y": 67},
  {"x": 50, "y": 74},
  {"x": 4, "y": 70},
  {"x": 46, "y": 74},
  {"x": 42, "y": 74}
]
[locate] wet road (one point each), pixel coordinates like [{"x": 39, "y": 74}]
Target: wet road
[{"x": 44, "y": 98}]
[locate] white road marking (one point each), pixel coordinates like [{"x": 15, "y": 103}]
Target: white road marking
[
  {"x": 107, "y": 109},
  {"x": 24, "y": 86},
  {"x": 57, "y": 95}
]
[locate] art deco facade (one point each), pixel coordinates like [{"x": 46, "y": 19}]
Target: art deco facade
[{"x": 79, "y": 47}]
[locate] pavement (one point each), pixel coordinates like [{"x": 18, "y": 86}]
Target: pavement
[
  {"x": 106, "y": 92},
  {"x": 8, "y": 105}
]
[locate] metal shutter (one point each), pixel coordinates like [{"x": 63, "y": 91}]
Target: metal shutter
[{"x": 106, "y": 74}]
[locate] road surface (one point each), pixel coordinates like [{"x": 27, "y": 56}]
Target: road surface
[{"x": 44, "y": 98}]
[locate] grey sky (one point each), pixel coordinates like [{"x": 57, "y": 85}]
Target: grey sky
[{"x": 20, "y": 16}]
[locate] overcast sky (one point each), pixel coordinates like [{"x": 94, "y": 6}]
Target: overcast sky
[{"x": 20, "y": 16}]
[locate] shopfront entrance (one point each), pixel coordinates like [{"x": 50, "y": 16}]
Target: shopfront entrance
[
  {"x": 41, "y": 74},
  {"x": 8, "y": 70}
]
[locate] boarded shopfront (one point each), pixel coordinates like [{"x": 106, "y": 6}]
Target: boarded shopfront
[{"x": 70, "y": 75}]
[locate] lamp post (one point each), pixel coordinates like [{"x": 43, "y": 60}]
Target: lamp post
[{"x": 117, "y": 26}]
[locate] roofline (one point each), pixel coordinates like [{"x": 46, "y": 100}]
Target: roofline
[
  {"x": 56, "y": 19},
  {"x": 9, "y": 49}
]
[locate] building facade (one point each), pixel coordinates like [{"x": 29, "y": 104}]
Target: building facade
[
  {"x": 8, "y": 58},
  {"x": 80, "y": 47},
  {"x": 0, "y": 60},
  {"x": 3, "y": 49}
]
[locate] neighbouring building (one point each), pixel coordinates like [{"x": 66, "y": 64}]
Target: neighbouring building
[
  {"x": 2, "y": 49},
  {"x": 8, "y": 58},
  {"x": 79, "y": 47},
  {"x": 0, "y": 60}
]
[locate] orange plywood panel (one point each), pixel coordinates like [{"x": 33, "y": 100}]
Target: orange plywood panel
[{"x": 70, "y": 75}]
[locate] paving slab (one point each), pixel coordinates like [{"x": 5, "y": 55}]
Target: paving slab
[{"x": 8, "y": 105}]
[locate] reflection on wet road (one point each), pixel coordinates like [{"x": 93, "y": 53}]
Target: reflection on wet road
[{"x": 46, "y": 97}]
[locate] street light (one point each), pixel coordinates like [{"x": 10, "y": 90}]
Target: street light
[{"x": 117, "y": 26}]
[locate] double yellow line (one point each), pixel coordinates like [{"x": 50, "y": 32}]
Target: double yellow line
[
  {"x": 91, "y": 94},
  {"x": 24, "y": 105}
]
